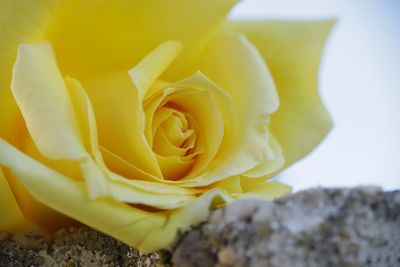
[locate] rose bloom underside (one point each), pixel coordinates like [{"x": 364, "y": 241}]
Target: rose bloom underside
[{"x": 134, "y": 117}]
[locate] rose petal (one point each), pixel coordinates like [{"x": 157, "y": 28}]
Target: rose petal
[
  {"x": 67, "y": 167},
  {"x": 186, "y": 217},
  {"x": 135, "y": 27},
  {"x": 155, "y": 187},
  {"x": 33, "y": 211},
  {"x": 164, "y": 147},
  {"x": 122, "y": 192},
  {"x": 54, "y": 90},
  {"x": 208, "y": 118},
  {"x": 12, "y": 218},
  {"x": 102, "y": 34},
  {"x": 292, "y": 50},
  {"x": 232, "y": 185},
  {"x": 174, "y": 167},
  {"x": 153, "y": 65},
  {"x": 70, "y": 197},
  {"x": 11, "y": 127},
  {"x": 173, "y": 129},
  {"x": 21, "y": 21},
  {"x": 260, "y": 188},
  {"x": 120, "y": 188},
  {"x": 152, "y": 106},
  {"x": 85, "y": 116},
  {"x": 235, "y": 65},
  {"x": 197, "y": 97},
  {"x": 125, "y": 168},
  {"x": 122, "y": 130},
  {"x": 201, "y": 105},
  {"x": 146, "y": 231},
  {"x": 269, "y": 167},
  {"x": 43, "y": 99}
]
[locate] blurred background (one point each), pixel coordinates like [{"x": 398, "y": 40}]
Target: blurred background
[{"x": 360, "y": 86}]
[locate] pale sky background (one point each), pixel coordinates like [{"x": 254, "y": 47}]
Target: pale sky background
[{"x": 360, "y": 85}]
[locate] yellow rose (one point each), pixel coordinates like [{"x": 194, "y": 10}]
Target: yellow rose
[{"x": 134, "y": 117}]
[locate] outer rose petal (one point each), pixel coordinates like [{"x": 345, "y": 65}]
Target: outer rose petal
[
  {"x": 129, "y": 28},
  {"x": 243, "y": 187},
  {"x": 269, "y": 168},
  {"x": 35, "y": 212},
  {"x": 83, "y": 32},
  {"x": 16, "y": 27},
  {"x": 292, "y": 51},
  {"x": 43, "y": 99},
  {"x": 146, "y": 231},
  {"x": 259, "y": 188},
  {"x": 42, "y": 96},
  {"x": 26, "y": 21},
  {"x": 21, "y": 21},
  {"x": 11, "y": 215}
]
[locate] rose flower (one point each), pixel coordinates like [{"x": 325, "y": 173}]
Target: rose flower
[{"x": 135, "y": 117}]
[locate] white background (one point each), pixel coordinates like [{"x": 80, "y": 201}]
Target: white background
[{"x": 360, "y": 85}]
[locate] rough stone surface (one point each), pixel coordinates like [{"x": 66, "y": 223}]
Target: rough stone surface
[
  {"x": 357, "y": 227},
  {"x": 69, "y": 248},
  {"x": 313, "y": 228}
]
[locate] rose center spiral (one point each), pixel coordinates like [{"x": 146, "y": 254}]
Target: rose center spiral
[{"x": 175, "y": 134}]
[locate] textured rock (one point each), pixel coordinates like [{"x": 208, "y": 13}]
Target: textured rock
[
  {"x": 313, "y": 228},
  {"x": 69, "y": 248}
]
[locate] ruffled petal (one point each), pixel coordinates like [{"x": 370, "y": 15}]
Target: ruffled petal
[
  {"x": 262, "y": 189},
  {"x": 269, "y": 167},
  {"x": 292, "y": 50},
  {"x": 235, "y": 65}
]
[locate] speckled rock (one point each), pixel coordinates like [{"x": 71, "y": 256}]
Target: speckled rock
[
  {"x": 357, "y": 227},
  {"x": 69, "y": 248},
  {"x": 313, "y": 228}
]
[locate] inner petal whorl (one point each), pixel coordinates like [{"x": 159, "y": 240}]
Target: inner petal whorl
[
  {"x": 185, "y": 125},
  {"x": 175, "y": 127},
  {"x": 173, "y": 136}
]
